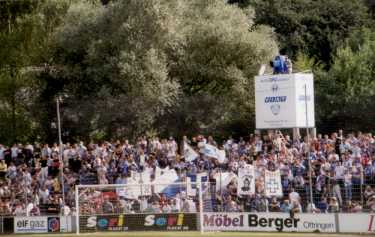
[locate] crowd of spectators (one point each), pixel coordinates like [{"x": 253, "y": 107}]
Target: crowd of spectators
[{"x": 342, "y": 174}]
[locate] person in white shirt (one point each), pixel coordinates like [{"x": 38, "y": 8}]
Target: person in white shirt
[
  {"x": 29, "y": 207},
  {"x": 19, "y": 211},
  {"x": 339, "y": 171},
  {"x": 312, "y": 208},
  {"x": 14, "y": 151},
  {"x": 66, "y": 210},
  {"x": 337, "y": 192},
  {"x": 44, "y": 195},
  {"x": 348, "y": 184},
  {"x": 294, "y": 196},
  {"x": 175, "y": 205},
  {"x": 356, "y": 150},
  {"x": 296, "y": 207}
]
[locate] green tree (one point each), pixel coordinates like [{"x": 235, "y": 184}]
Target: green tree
[
  {"x": 129, "y": 67},
  {"x": 316, "y": 27},
  {"x": 25, "y": 27},
  {"x": 346, "y": 93}
]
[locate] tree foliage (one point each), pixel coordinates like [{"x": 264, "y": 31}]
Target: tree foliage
[
  {"x": 347, "y": 91},
  {"x": 129, "y": 66},
  {"x": 316, "y": 27},
  {"x": 125, "y": 68},
  {"x": 25, "y": 30}
]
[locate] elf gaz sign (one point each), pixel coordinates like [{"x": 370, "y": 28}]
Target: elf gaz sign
[
  {"x": 34, "y": 224},
  {"x": 280, "y": 101}
]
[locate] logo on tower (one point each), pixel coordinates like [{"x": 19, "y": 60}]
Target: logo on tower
[{"x": 275, "y": 109}]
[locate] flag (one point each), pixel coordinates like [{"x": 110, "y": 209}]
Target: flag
[
  {"x": 223, "y": 179},
  {"x": 273, "y": 183},
  {"x": 131, "y": 190},
  {"x": 189, "y": 153},
  {"x": 173, "y": 189},
  {"x": 210, "y": 151},
  {"x": 164, "y": 182},
  {"x": 246, "y": 180},
  {"x": 190, "y": 189},
  {"x": 202, "y": 177},
  {"x": 213, "y": 152}
]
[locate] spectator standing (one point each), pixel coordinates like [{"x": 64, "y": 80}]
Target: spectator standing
[
  {"x": 348, "y": 185},
  {"x": 333, "y": 205}
]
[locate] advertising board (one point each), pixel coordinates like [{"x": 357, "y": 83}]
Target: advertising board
[
  {"x": 32, "y": 224},
  {"x": 139, "y": 222},
  {"x": 280, "y": 101},
  {"x": 356, "y": 222},
  {"x": 269, "y": 222}
]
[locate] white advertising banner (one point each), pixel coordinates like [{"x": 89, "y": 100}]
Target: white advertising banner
[
  {"x": 272, "y": 182},
  {"x": 65, "y": 224},
  {"x": 32, "y": 224},
  {"x": 269, "y": 222},
  {"x": 280, "y": 101},
  {"x": 356, "y": 223},
  {"x": 246, "y": 180}
]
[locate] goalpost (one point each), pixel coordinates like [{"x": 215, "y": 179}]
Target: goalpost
[{"x": 137, "y": 206}]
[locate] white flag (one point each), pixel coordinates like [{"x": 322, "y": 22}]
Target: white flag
[
  {"x": 190, "y": 190},
  {"x": 213, "y": 152},
  {"x": 189, "y": 153},
  {"x": 165, "y": 178},
  {"x": 246, "y": 180},
  {"x": 273, "y": 183},
  {"x": 210, "y": 151},
  {"x": 132, "y": 190},
  {"x": 223, "y": 179}
]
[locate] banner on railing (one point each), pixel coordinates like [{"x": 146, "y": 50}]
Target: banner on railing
[
  {"x": 139, "y": 222},
  {"x": 246, "y": 180},
  {"x": 269, "y": 222},
  {"x": 273, "y": 183}
]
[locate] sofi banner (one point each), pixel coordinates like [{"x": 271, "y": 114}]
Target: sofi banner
[
  {"x": 139, "y": 222},
  {"x": 357, "y": 223},
  {"x": 269, "y": 222}
]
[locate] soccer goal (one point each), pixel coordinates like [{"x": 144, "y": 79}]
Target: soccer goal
[{"x": 139, "y": 207}]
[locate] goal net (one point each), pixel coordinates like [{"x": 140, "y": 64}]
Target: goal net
[{"x": 138, "y": 207}]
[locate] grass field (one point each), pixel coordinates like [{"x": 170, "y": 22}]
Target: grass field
[{"x": 190, "y": 234}]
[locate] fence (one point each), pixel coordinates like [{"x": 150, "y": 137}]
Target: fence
[
  {"x": 222, "y": 188},
  {"x": 144, "y": 206},
  {"x": 326, "y": 190}
]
